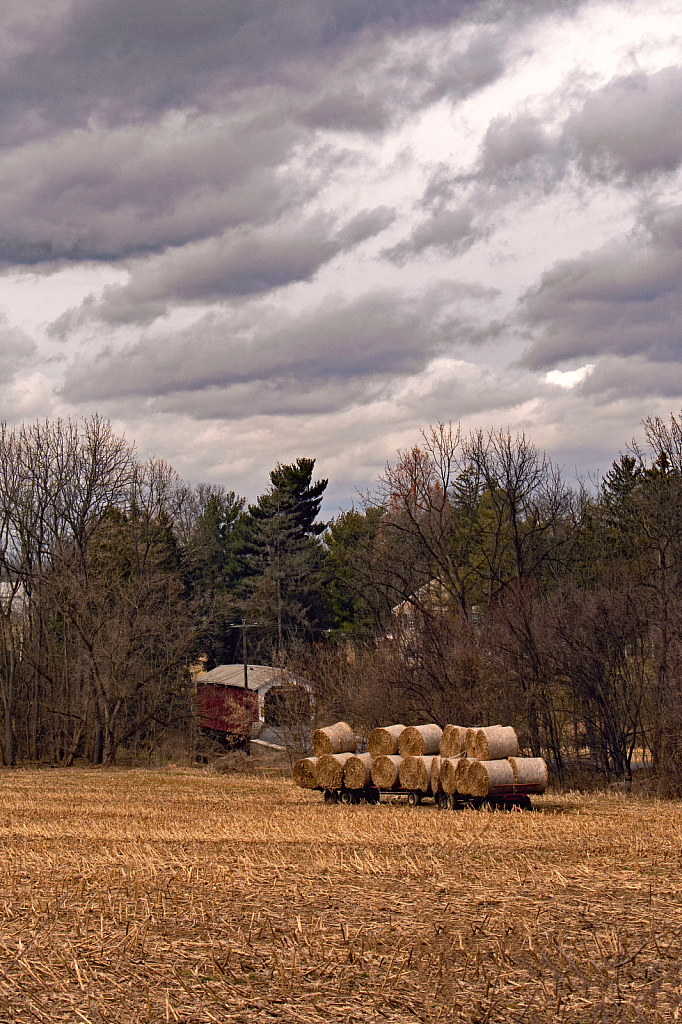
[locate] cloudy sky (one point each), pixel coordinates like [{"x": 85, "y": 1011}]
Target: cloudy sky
[{"x": 250, "y": 230}]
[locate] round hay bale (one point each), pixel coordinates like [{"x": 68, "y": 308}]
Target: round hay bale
[
  {"x": 447, "y": 776},
  {"x": 452, "y": 773},
  {"x": 334, "y": 739},
  {"x": 384, "y": 740},
  {"x": 304, "y": 773},
  {"x": 436, "y": 762},
  {"x": 418, "y": 740},
  {"x": 470, "y": 741},
  {"x": 496, "y": 743},
  {"x": 385, "y": 769},
  {"x": 530, "y": 772},
  {"x": 485, "y": 778},
  {"x": 330, "y": 770},
  {"x": 453, "y": 740},
  {"x": 461, "y": 772},
  {"x": 415, "y": 772},
  {"x": 357, "y": 771}
]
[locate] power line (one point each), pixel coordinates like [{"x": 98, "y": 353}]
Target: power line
[{"x": 244, "y": 625}]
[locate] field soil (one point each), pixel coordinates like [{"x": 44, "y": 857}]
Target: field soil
[{"x": 192, "y": 896}]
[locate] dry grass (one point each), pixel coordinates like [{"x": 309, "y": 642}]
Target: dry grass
[{"x": 186, "y": 896}]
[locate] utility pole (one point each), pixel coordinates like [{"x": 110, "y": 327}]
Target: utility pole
[{"x": 244, "y": 625}]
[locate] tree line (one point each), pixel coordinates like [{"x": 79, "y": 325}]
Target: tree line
[
  {"x": 116, "y": 576},
  {"x": 471, "y": 584},
  {"x": 509, "y": 595}
]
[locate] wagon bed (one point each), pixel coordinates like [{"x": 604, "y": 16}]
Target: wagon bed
[{"x": 509, "y": 798}]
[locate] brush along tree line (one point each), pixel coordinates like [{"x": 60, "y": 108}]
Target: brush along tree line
[
  {"x": 471, "y": 583},
  {"x": 425, "y": 759}
]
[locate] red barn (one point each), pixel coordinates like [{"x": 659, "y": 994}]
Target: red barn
[{"x": 226, "y": 709}]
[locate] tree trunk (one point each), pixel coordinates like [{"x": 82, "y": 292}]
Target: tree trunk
[
  {"x": 70, "y": 754},
  {"x": 109, "y": 749},
  {"x": 110, "y": 744},
  {"x": 8, "y": 704},
  {"x": 97, "y": 743},
  {"x": 33, "y": 721}
]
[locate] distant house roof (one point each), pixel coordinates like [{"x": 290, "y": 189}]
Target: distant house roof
[
  {"x": 434, "y": 595},
  {"x": 233, "y": 675}
]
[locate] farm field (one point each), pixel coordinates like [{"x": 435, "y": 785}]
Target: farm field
[{"x": 178, "y": 895}]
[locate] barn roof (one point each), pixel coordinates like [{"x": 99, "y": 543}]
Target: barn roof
[{"x": 233, "y": 675}]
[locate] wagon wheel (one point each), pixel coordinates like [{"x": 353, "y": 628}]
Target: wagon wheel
[
  {"x": 525, "y": 804},
  {"x": 329, "y": 796},
  {"x": 442, "y": 801},
  {"x": 450, "y": 801},
  {"x": 346, "y": 797},
  {"x": 414, "y": 798}
]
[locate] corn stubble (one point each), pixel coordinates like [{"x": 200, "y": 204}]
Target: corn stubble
[{"x": 182, "y": 896}]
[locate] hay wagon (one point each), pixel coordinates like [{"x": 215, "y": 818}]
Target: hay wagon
[
  {"x": 452, "y": 767},
  {"x": 517, "y": 798}
]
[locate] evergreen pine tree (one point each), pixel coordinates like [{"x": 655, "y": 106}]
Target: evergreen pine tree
[
  {"x": 287, "y": 557},
  {"x": 219, "y": 570}
]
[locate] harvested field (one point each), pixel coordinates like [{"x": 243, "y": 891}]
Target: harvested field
[{"x": 192, "y": 897}]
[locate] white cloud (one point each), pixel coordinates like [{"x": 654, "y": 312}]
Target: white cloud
[{"x": 569, "y": 378}]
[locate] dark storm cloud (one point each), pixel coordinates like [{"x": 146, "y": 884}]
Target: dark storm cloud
[
  {"x": 466, "y": 390},
  {"x": 119, "y": 59},
  {"x": 615, "y": 378},
  {"x": 371, "y": 88},
  {"x": 238, "y": 263},
  {"x": 381, "y": 336},
  {"x": 133, "y": 125},
  {"x": 628, "y": 132},
  {"x": 449, "y": 231},
  {"x": 624, "y": 299},
  {"x": 106, "y": 195},
  {"x": 631, "y": 128}
]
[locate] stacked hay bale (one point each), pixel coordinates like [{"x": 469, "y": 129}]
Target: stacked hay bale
[
  {"x": 357, "y": 771},
  {"x": 329, "y": 770},
  {"x": 492, "y": 766},
  {"x": 453, "y": 741},
  {"x": 419, "y": 746},
  {"x": 386, "y": 771},
  {"x": 492, "y": 744},
  {"x": 332, "y": 746},
  {"x": 384, "y": 740},
  {"x": 470, "y": 762},
  {"x": 334, "y": 739},
  {"x": 452, "y": 774},
  {"x": 484, "y": 762},
  {"x": 530, "y": 772},
  {"x": 488, "y": 778},
  {"x": 415, "y": 773},
  {"x": 418, "y": 740},
  {"x": 304, "y": 773}
]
